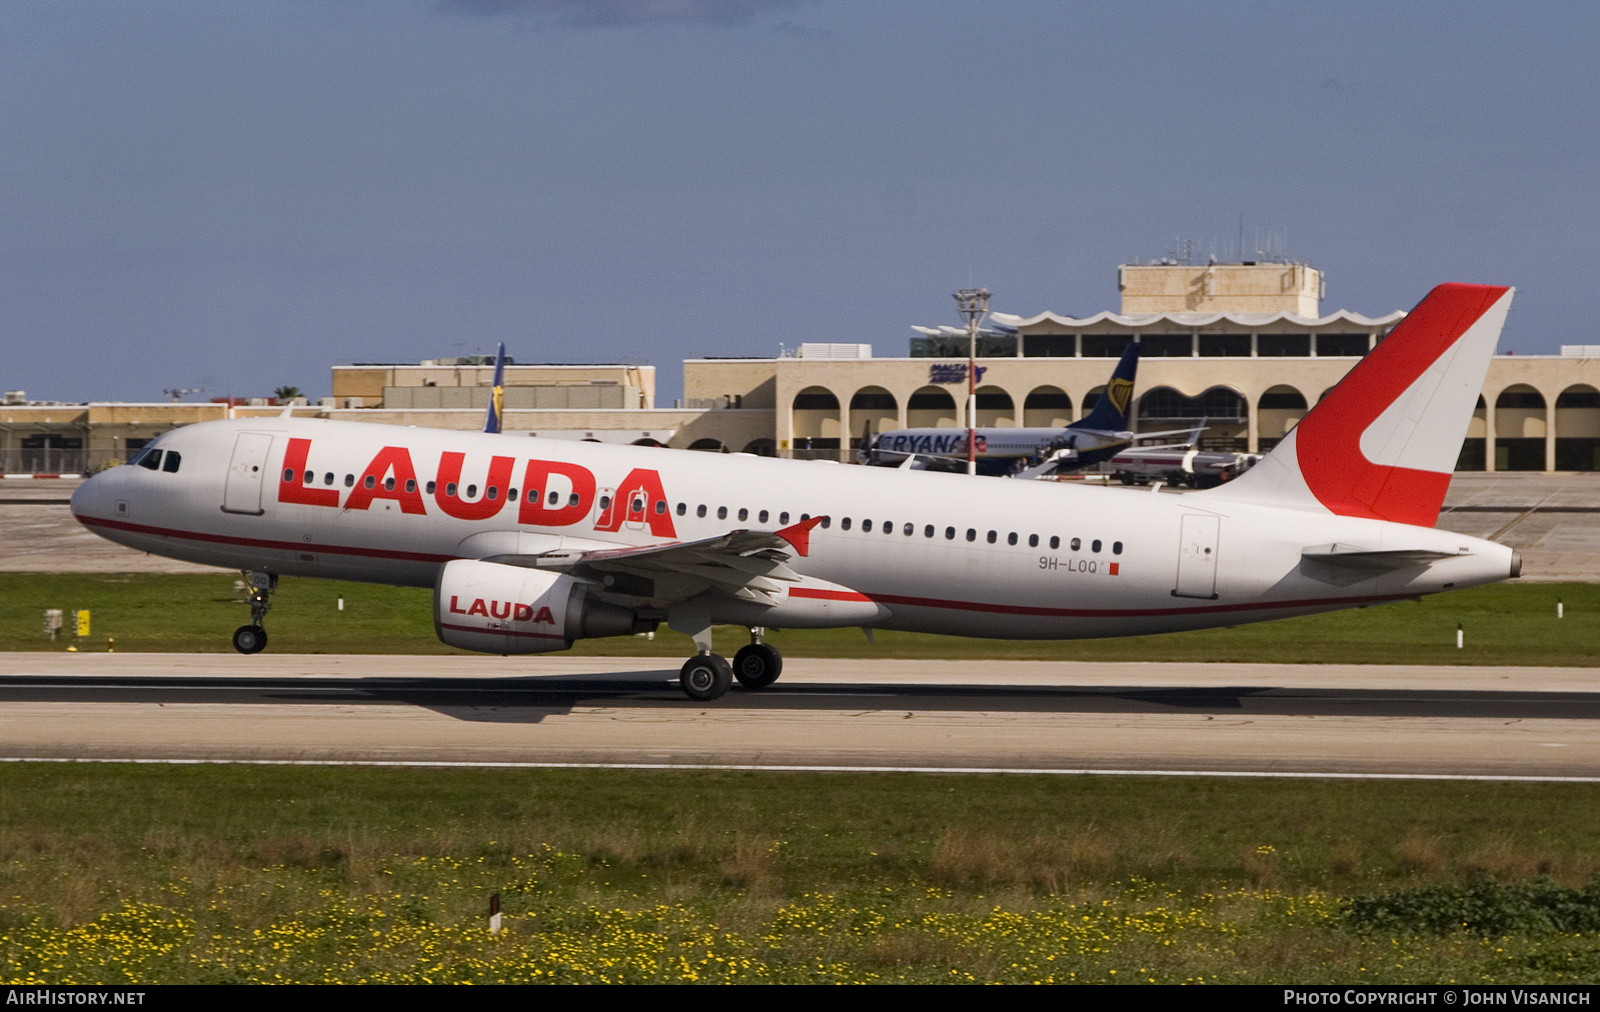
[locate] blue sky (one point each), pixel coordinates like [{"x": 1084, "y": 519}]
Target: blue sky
[{"x": 238, "y": 196}]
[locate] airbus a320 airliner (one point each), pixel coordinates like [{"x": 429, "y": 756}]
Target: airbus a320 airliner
[{"x": 531, "y": 544}]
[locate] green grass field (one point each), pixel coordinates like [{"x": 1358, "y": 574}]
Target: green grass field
[
  {"x": 1504, "y": 624},
  {"x": 124, "y": 873}
]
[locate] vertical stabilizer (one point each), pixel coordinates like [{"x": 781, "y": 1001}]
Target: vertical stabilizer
[
  {"x": 1110, "y": 412},
  {"x": 491, "y": 421},
  {"x": 1383, "y": 442}
]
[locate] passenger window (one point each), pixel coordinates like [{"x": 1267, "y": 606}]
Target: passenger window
[
  {"x": 555, "y": 498},
  {"x": 511, "y": 493},
  {"x": 1095, "y": 547},
  {"x": 327, "y": 479},
  {"x": 844, "y": 525},
  {"x": 170, "y": 465},
  {"x": 761, "y": 517},
  {"x": 826, "y": 521},
  {"x": 744, "y": 514},
  {"x": 912, "y": 529},
  {"x": 450, "y": 490},
  {"x": 1033, "y": 541},
  {"x": 972, "y": 535},
  {"x": 494, "y": 493},
  {"x": 605, "y": 502},
  {"x": 472, "y": 491},
  {"x": 992, "y": 537},
  {"x": 783, "y": 519},
  {"x": 349, "y": 481},
  {"x": 411, "y": 486},
  {"x": 1076, "y": 544},
  {"x": 927, "y": 531},
  {"x": 722, "y": 512},
  {"x": 1116, "y": 548},
  {"x": 637, "y": 506},
  {"x": 388, "y": 484},
  {"x": 1055, "y": 542},
  {"x": 573, "y": 500},
  {"x": 661, "y": 506},
  {"x": 683, "y": 508},
  {"x": 288, "y": 474},
  {"x": 309, "y": 477},
  {"x": 370, "y": 482},
  {"x": 949, "y": 533},
  {"x": 1011, "y": 538},
  {"x": 866, "y": 526},
  {"x": 700, "y": 511}
]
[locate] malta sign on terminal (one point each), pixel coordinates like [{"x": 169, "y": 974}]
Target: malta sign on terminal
[{"x": 952, "y": 372}]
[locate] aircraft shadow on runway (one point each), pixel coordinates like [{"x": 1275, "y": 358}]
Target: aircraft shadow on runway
[{"x": 532, "y": 699}]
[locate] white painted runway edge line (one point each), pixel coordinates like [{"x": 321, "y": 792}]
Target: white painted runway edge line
[{"x": 752, "y": 768}]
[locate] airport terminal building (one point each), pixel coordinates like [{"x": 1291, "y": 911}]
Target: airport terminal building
[{"x": 1243, "y": 346}]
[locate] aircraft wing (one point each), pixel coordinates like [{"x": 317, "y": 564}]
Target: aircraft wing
[
  {"x": 1050, "y": 465},
  {"x": 1192, "y": 433},
  {"x": 749, "y": 565}
]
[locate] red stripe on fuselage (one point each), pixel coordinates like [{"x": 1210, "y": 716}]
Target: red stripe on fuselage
[
  {"x": 1018, "y": 609},
  {"x": 829, "y": 595}
]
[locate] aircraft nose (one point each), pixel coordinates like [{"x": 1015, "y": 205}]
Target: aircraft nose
[{"x": 94, "y": 497}]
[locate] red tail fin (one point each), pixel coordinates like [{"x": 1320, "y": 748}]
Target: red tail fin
[{"x": 1382, "y": 444}]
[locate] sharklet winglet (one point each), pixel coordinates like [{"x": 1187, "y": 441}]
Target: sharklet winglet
[{"x": 799, "y": 535}]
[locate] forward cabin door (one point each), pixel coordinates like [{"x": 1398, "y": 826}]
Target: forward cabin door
[
  {"x": 1197, "y": 557},
  {"x": 242, "y": 493}
]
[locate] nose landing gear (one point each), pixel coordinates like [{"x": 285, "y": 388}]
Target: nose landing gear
[{"x": 252, "y": 638}]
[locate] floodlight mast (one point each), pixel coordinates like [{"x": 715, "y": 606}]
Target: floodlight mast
[{"x": 973, "y": 305}]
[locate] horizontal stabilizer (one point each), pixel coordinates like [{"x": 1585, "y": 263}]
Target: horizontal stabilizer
[{"x": 1355, "y": 557}]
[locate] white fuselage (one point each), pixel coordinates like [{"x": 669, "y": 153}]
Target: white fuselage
[{"x": 1032, "y": 560}]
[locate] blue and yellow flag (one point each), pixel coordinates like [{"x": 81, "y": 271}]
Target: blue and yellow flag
[{"x": 491, "y": 422}]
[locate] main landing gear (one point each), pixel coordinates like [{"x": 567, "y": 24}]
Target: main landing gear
[
  {"x": 707, "y": 676},
  {"x": 252, "y": 638}
]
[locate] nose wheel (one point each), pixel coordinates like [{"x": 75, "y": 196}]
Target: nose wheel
[
  {"x": 252, "y": 638},
  {"x": 249, "y": 639}
]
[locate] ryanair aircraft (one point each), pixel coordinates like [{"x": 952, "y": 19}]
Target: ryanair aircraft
[{"x": 1022, "y": 452}]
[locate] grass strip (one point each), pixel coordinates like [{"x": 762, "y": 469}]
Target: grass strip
[
  {"x": 1503, "y": 624},
  {"x": 235, "y": 873}
]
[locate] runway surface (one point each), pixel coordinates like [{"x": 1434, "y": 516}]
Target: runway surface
[{"x": 1017, "y": 715}]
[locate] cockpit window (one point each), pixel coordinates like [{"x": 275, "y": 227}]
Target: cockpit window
[
  {"x": 149, "y": 459},
  {"x": 170, "y": 465}
]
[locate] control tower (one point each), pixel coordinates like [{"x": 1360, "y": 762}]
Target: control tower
[{"x": 1244, "y": 287}]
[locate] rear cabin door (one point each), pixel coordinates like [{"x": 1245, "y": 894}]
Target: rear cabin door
[
  {"x": 1197, "y": 557},
  {"x": 242, "y": 493}
]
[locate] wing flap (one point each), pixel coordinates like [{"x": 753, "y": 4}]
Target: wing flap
[{"x": 744, "y": 564}]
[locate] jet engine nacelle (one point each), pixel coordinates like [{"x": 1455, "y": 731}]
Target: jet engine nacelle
[{"x": 500, "y": 609}]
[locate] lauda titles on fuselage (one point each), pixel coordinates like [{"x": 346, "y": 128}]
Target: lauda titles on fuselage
[{"x": 531, "y": 544}]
